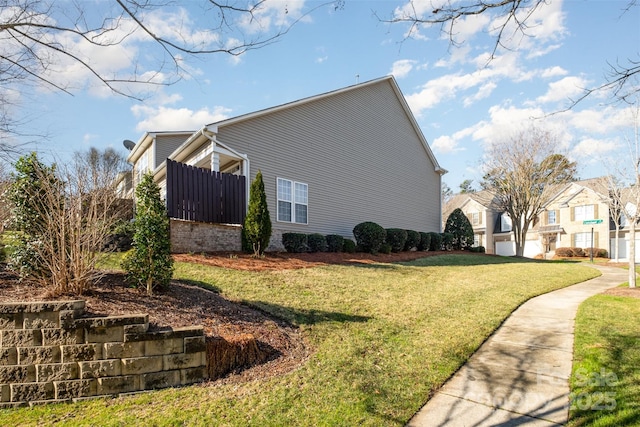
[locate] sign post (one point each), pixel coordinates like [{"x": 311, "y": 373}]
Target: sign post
[{"x": 591, "y": 222}]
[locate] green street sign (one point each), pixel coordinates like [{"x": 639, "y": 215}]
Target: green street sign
[{"x": 591, "y": 221}]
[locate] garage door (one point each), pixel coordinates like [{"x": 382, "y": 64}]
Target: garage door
[{"x": 531, "y": 248}]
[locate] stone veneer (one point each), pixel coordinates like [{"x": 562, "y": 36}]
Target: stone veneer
[
  {"x": 50, "y": 353},
  {"x": 196, "y": 237}
]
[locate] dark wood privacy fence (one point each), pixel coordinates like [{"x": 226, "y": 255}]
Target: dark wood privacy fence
[{"x": 203, "y": 195}]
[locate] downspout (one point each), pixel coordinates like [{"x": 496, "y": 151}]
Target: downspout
[{"x": 440, "y": 172}]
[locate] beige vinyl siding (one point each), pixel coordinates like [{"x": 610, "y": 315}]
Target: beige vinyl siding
[
  {"x": 359, "y": 155},
  {"x": 167, "y": 144}
]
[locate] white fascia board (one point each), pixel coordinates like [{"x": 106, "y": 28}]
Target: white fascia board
[{"x": 141, "y": 146}]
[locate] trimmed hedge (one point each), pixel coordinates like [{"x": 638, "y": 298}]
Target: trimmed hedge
[
  {"x": 579, "y": 252},
  {"x": 597, "y": 252},
  {"x": 348, "y": 246},
  {"x": 477, "y": 249},
  {"x": 369, "y": 236},
  {"x": 316, "y": 242},
  {"x": 334, "y": 243},
  {"x": 436, "y": 242},
  {"x": 294, "y": 242},
  {"x": 385, "y": 248},
  {"x": 396, "y": 238},
  {"x": 413, "y": 240},
  {"x": 425, "y": 241}
]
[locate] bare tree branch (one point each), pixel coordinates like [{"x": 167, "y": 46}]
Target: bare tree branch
[
  {"x": 40, "y": 40},
  {"x": 621, "y": 79}
]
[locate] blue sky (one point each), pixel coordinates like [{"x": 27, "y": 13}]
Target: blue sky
[{"x": 460, "y": 101}]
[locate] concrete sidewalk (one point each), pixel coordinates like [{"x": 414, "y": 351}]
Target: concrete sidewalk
[{"x": 520, "y": 375}]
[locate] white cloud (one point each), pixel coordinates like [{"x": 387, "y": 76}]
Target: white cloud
[
  {"x": 536, "y": 29},
  {"x": 482, "y": 93},
  {"x": 565, "y": 89},
  {"x": 163, "y": 118},
  {"x": 272, "y": 15},
  {"x": 592, "y": 149},
  {"x": 402, "y": 67},
  {"x": 448, "y": 86},
  {"x": 445, "y": 144},
  {"x": 554, "y": 71}
]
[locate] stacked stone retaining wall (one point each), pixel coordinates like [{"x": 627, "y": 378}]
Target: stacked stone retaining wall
[{"x": 50, "y": 353}]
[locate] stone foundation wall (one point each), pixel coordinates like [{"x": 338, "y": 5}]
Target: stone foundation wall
[
  {"x": 196, "y": 237},
  {"x": 190, "y": 236},
  {"x": 50, "y": 353}
]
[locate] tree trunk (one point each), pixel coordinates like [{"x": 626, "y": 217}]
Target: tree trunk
[
  {"x": 616, "y": 244},
  {"x": 632, "y": 254}
]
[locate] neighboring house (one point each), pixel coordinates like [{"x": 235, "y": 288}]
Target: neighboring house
[
  {"x": 576, "y": 216},
  {"x": 623, "y": 241},
  {"x": 482, "y": 214},
  {"x": 491, "y": 227},
  {"x": 328, "y": 163}
]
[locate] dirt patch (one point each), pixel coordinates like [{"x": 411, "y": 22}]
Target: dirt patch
[
  {"x": 624, "y": 292},
  {"x": 287, "y": 261}
]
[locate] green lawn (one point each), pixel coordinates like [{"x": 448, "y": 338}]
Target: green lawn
[
  {"x": 605, "y": 384},
  {"x": 384, "y": 337}
]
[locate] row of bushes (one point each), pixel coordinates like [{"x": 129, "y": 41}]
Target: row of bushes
[
  {"x": 372, "y": 238},
  {"x": 316, "y": 242},
  {"x": 579, "y": 252}
]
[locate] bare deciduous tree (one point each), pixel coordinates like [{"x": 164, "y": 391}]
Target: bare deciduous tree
[
  {"x": 623, "y": 183},
  {"x": 125, "y": 45},
  {"x": 75, "y": 210},
  {"x": 523, "y": 172},
  {"x": 513, "y": 21}
]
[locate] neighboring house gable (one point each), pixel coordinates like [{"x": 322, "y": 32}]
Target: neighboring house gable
[
  {"x": 574, "y": 216},
  {"x": 479, "y": 207}
]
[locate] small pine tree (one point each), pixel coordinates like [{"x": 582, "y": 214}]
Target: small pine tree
[
  {"x": 27, "y": 198},
  {"x": 459, "y": 226},
  {"x": 149, "y": 263},
  {"x": 257, "y": 224}
]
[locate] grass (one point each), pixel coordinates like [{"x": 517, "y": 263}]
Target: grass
[
  {"x": 606, "y": 381},
  {"x": 384, "y": 337}
]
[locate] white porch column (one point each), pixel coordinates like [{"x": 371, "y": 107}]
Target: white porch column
[{"x": 215, "y": 160}]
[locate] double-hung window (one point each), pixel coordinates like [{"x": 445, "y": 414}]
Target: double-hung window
[
  {"x": 293, "y": 201},
  {"x": 551, "y": 217},
  {"x": 584, "y": 212},
  {"x": 582, "y": 240}
]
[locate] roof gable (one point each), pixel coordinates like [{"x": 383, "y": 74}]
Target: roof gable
[{"x": 213, "y": 127}]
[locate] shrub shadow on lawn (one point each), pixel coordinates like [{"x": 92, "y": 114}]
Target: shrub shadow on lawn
[
  {"x": 466, "y": 259},
  {"x": 303, "y": 316},
  {"x": 457, "y": 259}
]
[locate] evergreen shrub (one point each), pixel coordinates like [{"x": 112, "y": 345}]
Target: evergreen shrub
[
  {"x": 334, "y": 243},
  {"x": 396, "y": 238},
  {"x": 369, "y": 236},
  {"x": 294, "y": 242}
]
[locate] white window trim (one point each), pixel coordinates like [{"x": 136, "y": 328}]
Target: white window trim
[
  {"x": 475, "y": 218},
  {"x": 582, "y": 210},
  {"x": 584, "y": 241},
  {"x": 292, "y": 201}
]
